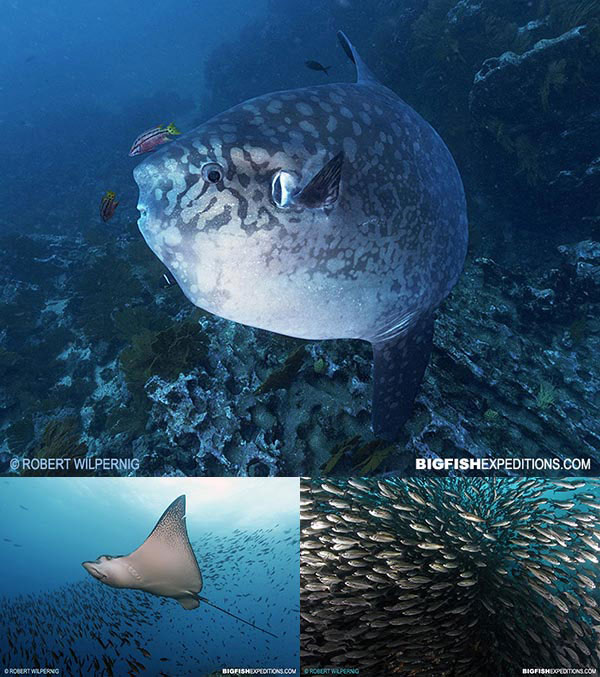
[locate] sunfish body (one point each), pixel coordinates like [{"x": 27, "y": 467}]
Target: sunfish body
[{"x": 325, "y": 212}]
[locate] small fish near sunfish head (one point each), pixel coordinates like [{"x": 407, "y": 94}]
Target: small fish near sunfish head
[
  {"x": 316, "y": 66},
  {"x": 152, "y": 138},
  {"x": 108, "y": 205}
]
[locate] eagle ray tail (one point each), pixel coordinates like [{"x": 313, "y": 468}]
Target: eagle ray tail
[{"x": 203, "y": 599}]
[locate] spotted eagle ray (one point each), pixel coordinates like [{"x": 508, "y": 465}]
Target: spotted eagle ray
[
  {"x": 164, "y": 565},
  {"x": 325, "y": 212}
]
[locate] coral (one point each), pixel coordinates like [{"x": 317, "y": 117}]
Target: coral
[
  {"x": 164, "y": 353},
  {"x": 491, "y": 415},
  {"x": 555, "y": 79},
  {"x": 320, "y": 366},
  {"x": 546, "y": 395},
  {"x": 59, "y": 440},
  {"x": 566, "y": 14},
  {"x": 19, "y": 434}
]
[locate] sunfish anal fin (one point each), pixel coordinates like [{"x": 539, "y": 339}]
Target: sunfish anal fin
[{"x": 399, "y": 365}]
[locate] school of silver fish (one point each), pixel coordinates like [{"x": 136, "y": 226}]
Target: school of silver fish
[{"x": 452, "y": 576}]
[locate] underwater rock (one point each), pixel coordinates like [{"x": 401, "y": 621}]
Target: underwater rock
[
  {"x": 540, "y": 113},
  {"x": 524, "y": 88},
  {"x": 501, "y": 334},
  {"x": 582, "y": 262}
]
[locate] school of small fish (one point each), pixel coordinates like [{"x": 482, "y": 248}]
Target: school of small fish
[
  {"x": 85, "y": 628},
  {"x": 450, "y": 576}
]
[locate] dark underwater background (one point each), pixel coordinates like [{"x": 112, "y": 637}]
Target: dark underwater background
[
  {"x": 99, "y": 357},
  {"x": 54, "y": 615}
]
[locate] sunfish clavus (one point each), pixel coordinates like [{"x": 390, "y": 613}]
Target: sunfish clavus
[{"x": 324, "y": 212}]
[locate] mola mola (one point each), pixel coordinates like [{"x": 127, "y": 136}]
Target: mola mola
[
  {"x": 164, "y": 565},
  {"x": 325, "y": 212}
]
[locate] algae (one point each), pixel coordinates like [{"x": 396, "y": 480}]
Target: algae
[
  {"x": 546, "y": 395},
  {"x": 283, "y": 377},
  {"x": 362, "y": 459},
  {"x": 60, "y": 439}
]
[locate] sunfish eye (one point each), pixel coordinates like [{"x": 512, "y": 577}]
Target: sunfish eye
[
  {"x": 212, "y": 172},
  {"x": 282, "y": 188}
]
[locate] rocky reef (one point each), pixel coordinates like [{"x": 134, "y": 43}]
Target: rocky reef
[{"x": 125, "y": 367}]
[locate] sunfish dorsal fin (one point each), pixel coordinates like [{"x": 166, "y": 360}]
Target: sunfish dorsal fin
[
  {"x": 166, "y": 562},
  {"x": 363, "y": 73}
]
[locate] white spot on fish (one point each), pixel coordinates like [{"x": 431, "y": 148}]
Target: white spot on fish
[
  {"x": 350, "y": 148},
  {"x": 304, "y": 109},
  {"x": 308, "y": 127},
  {"x": 335, "y": 265},
  {"x": 346, "y": 112},
  {"x": 274, "y": 106},
  {"x": 326, "y": 107},
  {"x": 296, "y": 137},
  {"x": 258, "y": 155},
  {"x": 331, "y": 124},
  {"x": 158, "y": 194},
  {"x": 171, "y": 236},
  {"x": 336, "y": 98},
  {"x": 200, "y": 147},
  {"x": 356, "y": 128},
  {"x": 365, "y": 118}
]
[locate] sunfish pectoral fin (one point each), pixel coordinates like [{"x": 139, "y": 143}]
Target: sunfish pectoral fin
[
  {"x": 363, "y": 73},
  {"x": 189, "y": 602},
  {"x": 324, "y": 188},
  {"x": 400, "y": 363}
]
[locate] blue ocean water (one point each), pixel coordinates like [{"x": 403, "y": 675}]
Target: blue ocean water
[{"x": 52, "y": 613}]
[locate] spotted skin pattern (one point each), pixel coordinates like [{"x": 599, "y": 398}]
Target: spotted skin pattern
[{"x": 374, "y": 265}]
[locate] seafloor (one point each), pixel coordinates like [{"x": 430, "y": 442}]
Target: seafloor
[{"x": 98, "y": 357}]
